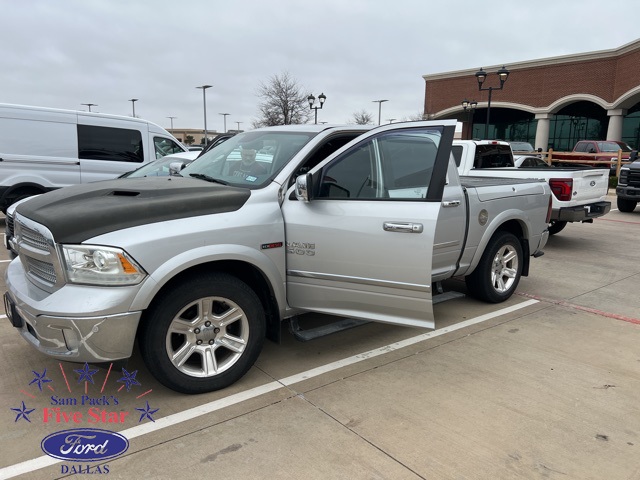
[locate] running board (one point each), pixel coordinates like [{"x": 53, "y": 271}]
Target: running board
[{"x": 304, "y": 335}]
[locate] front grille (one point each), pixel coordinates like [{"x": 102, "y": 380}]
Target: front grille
[
  {"x": 34, "y": 239},
  {"x": 9, "y": 232},
  {"x": 633, "y": 177},
  {"x": 42, "y": 271}
]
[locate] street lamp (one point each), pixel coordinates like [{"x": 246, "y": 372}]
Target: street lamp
[
  {"x": 171, "y": 118},
  {"x": 481, "y": 76},
  {"x": 204, "y": 104},
  {"x": 321, "y": 98},
  {"x": 238, "y": 123},
  {"x": 379, "y": 108},
  {"x": 225, "y": 120},
  {"x": 469, "y": 108},
  {"x": 89, "y": 105},
  {"x": 391, "y": 120},
  {"x": 133, "y": 105}
]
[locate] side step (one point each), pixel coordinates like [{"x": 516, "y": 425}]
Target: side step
[{"x": 347, "y": 323}]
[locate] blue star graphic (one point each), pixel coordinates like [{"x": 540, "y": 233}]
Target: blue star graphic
[
  {"x": 24, "y": 412},
  {"x": 147, "y": 412},
  {"x": 40, "y": 378},
  {"x": 129, "y": 379},
  {"x": 86, "y": 373}
]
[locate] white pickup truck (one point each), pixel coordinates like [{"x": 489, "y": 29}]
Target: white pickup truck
[
  {"x": 579, "y": 193},
  {"x": 351, "y": 221}
]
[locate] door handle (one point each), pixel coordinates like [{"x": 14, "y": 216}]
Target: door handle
[
  {"x": 451, "y": 203},
  {"x": 402, "y": 227}
]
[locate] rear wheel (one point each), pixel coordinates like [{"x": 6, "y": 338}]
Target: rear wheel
[
  {"x": 203, "y": 335},
  {"x": 556, "y": 226},
  {"x": 625, "y": 205},
  {"x": 497, "y": 275}
]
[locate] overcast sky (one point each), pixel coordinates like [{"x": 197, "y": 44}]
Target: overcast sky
[{"x": 63, "y": 53}]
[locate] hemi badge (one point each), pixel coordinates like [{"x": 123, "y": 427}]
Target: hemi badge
[{"x": 265, "y": 246}]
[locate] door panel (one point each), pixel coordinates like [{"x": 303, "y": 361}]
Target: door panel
[{"x": 362, "y": 246}]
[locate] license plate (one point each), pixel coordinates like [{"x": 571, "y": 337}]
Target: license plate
[{"x": 12, "y": 314}]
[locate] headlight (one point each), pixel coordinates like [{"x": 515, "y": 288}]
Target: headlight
[{"x": 96, "y": 265}]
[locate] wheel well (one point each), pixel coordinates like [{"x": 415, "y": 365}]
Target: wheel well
[
  {"x": 19, "y": 191},
  {"x": 514, "y": 227},
  {"x": 245, "y": 272}
]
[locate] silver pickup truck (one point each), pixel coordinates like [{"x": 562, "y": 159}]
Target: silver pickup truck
[{"x": 350, "y": 221}]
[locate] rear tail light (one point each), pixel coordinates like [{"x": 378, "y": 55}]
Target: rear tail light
[{"x": 562, "y": 188}]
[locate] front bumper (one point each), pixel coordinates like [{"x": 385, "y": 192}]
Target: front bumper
[
  {"x": 100, "y": 335},
  {"x": 629, "y": 193},
  {"x": 581, "y": 213}
]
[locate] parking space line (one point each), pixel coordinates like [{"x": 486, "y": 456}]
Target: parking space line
[
  {"x": 191, "y": 413},
  {"x": 595, "y": 311}
]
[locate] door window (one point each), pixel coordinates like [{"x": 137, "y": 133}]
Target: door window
[
  {"x": 165, "y": 146},
  {"x": 108, "y": 143},
  {"x": 396, "y": 165}
]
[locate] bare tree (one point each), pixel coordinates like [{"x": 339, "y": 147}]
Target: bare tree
[
  {"x": 362, "y": 118},
  {"x": 284, "y": 102}
]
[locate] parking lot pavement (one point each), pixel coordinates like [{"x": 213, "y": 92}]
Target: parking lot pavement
[{"x": 543, "y": 386}]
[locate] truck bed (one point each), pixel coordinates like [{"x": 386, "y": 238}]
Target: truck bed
[{"x": 474, "y": 181}]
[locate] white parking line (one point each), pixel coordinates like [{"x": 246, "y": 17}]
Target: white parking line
[{"x": 191, "y": 413}]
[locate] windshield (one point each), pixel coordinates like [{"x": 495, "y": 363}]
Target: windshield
[
  {"x": 249, "y": 159},
  {"x": 521, "y": 147},
  {"x": 613, "y": 147}
]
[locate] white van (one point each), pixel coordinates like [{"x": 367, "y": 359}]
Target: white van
[{"x": 42, "y": 149}]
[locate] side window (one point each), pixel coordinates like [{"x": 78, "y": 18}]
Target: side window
[
  {"x": 107, "y": 143},
  {"x": 392, "y": 165},
  {"x": 581, "y": 147},
  {"x": 165, "y": 146}
]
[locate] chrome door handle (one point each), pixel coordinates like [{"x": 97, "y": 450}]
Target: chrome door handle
[
  {"x": 402, "y": 227},
  {"x": 451, "y": 203}
]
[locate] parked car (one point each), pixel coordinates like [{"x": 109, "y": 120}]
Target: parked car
[
  {"x": 521, "y": 147},
  {"x": 605, "y": 151}
]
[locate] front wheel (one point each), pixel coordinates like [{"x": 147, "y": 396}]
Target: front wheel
[
  {"x": 556, "y": 226},
  {"x": 625, "y": 205},
  {"x": 497, "y": 275},
  {"x": 204, "y": 334}
]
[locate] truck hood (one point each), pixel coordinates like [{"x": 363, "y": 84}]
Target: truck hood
[{"x": 76, "y": 213}]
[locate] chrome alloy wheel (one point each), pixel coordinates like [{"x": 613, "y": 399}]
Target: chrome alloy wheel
[
  {"x": 207, "y": 337},
  {"x": 504, "y": 269}
]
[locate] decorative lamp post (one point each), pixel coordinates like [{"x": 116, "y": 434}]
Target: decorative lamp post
[
  {"x": 469, "y": 108},
  {"x": 133, "y": 105},
  {"x": 204, "y": 103},
  {"x": 481, "y": 76},
  {"x": 379, "y": 108},
  {"x": 321, "y": 99}
]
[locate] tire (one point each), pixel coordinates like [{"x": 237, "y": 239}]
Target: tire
[
  {"x": 203, "y": 335},
  {"x": 625, "y": 205},
  {"x": 497, "y": 275},
  {"x": 556, "y": 226}
]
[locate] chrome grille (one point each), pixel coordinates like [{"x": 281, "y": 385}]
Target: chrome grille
[
  {"x": 634, "y": 178},
  {"x": 42, "y": 271},
  {"x": 34, "y": 239}
]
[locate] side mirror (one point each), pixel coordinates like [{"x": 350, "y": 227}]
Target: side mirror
[
  {"x": 633, "y": 156},
  {"x": 175, "y": 167},
  {"x": 303, "y": 187},
  {"x": 539, "y": 149}
]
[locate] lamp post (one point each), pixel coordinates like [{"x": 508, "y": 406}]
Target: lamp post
[
  {"x": 391, "y": 120},
  {"x": 379, "y": 108},
  {"x": 321, "y": 99},
  {"x": 238, "y": 123},
  {"x": 204, "y": 104},
  {"x": 469, "y": 108},
  {"x": 133, "y": 105},
  {"x": 89, "y": 105},
  {"x": 171, "y": 118},
  {"x": 481, "y": 76},
  {"x": 225, "y": 120}
]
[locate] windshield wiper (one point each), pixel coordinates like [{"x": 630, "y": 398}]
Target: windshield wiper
[{"x": 202, "y": 176}]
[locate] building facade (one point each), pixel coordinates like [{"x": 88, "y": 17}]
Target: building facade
[{"x": 551, "y": 103}]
